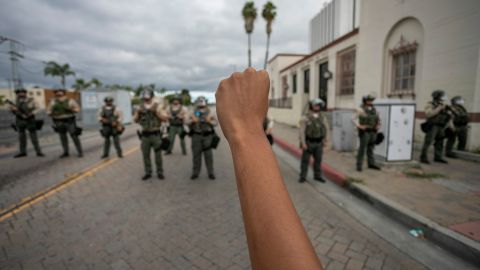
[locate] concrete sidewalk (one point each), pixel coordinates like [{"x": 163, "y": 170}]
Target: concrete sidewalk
[{"x": 444, "y": 200}]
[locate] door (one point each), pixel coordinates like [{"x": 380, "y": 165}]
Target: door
[{"x": 323, "y": 83}]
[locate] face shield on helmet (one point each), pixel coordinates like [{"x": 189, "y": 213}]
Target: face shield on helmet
[
  {"x": 458, "y": 100},
  {"x": 147, "y": 94},
  {"x": 108, "y": 99},
  {"x": 316, "y": 104},
  {"x": 201, "y": 102}
]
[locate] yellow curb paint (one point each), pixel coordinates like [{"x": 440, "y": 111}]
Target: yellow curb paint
[{"x": 48, "y": 192}]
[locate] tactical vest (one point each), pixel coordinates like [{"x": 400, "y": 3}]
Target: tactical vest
[
  {"x": 315, "y": 128},
  {"x": 22, "y": 105},
  {"x": 369, "y": 118},
  {"x": 440, "y": 119},
  {"x": 149, "y": 119},
  {"x": 202, "y": 126},
  {"x": 461, "y": 116},
  {"x": 61, "y": 109},
  {"x": 109, "y": 114},
  {"x": 176, "y": 121}
]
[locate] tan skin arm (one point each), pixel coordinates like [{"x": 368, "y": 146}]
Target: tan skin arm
[{"x": 276, "y": 238}]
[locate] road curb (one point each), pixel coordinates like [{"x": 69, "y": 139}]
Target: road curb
[{"x": 454, "y": 242}]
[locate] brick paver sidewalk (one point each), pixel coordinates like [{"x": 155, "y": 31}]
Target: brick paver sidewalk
[{"x": 446, "y": 194}]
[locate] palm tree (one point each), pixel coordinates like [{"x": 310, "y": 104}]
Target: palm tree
[
  {"x": 269, "y": 12},
  {"x": 56, "y": 70},
  {"x": 96, "y": 82},
  {"x": 80, "y": 84},
  {"x": 249, "y": 13}
]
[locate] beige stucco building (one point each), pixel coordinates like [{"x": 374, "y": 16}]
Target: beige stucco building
[
  {"x": 38, "y": 94},
  {"x": 401, "y": 49}
]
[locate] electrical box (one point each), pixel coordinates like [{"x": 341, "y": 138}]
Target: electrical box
[
  {"x": 398, "y": 123},
  {"x": 343, "y": 133}
]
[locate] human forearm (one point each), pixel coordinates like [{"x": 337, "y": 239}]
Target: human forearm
[{"x": 272, "y": 225}]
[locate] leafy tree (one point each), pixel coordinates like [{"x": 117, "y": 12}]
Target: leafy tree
[
  {"x": 249, "y": 13},
  {"x": 56, "y": 70},
  {"x": 186, "y": 98},
  {"x": 80, "y": 84},
  {"x": 96, "y": 82},
  {"x": 269, "y": 13}
]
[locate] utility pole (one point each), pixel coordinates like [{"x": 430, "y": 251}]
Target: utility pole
[{"x": 14, "y": 58}]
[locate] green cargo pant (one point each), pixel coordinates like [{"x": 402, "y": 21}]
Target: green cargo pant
[
  {"x": 64, "y": 127},
  {"x": 201, "y": 144},
  {"x": 22, "y": 127},
  {"x": 150, "y": 142},
  {"x": 436, "y": 135},
  {"x": 315, "y": 150},
  {"x": 461, "y": 135},
  {"x": 367, "y": 143},
  {"x": 172, "y": 133},
  {"x": 107, "y": 132}
]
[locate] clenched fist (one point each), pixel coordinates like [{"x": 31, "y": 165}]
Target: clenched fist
[{"x": 242, "y": 104}]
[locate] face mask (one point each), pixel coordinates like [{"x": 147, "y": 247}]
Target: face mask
[{"x": 444, "y": 98}]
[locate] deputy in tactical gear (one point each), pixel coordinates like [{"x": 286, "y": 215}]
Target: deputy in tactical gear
[
  {"x": 177, "y": 114},
  {"x": 150, "y": 116},
  {"x": 202, "y": 123},
  {"x": 367, "y": 122},
  {"x": 460, "y": 122},
  {"x": 439, "y": 117},
  {"x": 24, "y": 110},
  {"x": 111, "y": 117},
  {"x": 62, "y": 109},
  {"x": 268, "y": 128},
  {"x": 313, "y": 138}
]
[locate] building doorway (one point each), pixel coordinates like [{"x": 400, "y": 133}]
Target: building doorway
[{"x": 323, "y": 82}]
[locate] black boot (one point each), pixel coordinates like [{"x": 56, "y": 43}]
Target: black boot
[
  {"x": 320, "y": 179},
  {"x": 19, "y": 155},
  {"x": 194, "y": 176},
  {"x": 424, "y": 160},
  {"x": 374, "y": 167},
  {"x": 451, "y": 155},
  {"x": 211, "y": 176},
  {"x": 40, "y": 154},
  {"x": 146, "y": 176},
  {"x": 302, "y": 180},
  {"x": 160, "y": 176},
  {"x": 168, "y": 153},
  {"x": 359, "y": 168},
  {"x": 104, "y": 156},
  {"x": 64, "y": 155},
  {"x": 440, "y": 160}
]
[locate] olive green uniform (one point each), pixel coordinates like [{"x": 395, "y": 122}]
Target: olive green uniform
[
  {"x": 439, "y": 120},
  {"x": 25, "y": 120},
  {"x": 313, "y": 133},
  {"x": 202, "y": 135},
  {"x": 176, "y": 128},
  {"x": 367, "y": 117},
  {"x": 150, "y": 120},
  {"x": 63, "y": 114},
  {"x": 112, "y": 116},
  {"x": 460, "y": 121}
]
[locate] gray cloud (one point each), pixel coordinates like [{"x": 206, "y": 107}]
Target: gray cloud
[{"x": 174, "y": 44}]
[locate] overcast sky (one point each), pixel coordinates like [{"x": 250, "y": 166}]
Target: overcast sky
[{"x": 174, "y": 44}]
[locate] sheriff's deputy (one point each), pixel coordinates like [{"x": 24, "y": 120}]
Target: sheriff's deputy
[
  {"x": 150, "y": 117},
  {"x": 111, "y": 117},
  {"x": 313, "y": 138},
  {"x": 367, "y": 121},
  {"x": 62, "y": 109},
  {"x": 177, "y": 114},
  {"x": 24, "y": 110},
  {"x": 460, "y": 121},
  {"x": 202, "y": 130}
]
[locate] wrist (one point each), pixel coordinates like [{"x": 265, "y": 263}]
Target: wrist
[{"x": 246, "y": 139}]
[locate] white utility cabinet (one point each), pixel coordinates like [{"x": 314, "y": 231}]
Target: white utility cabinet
[
  {"x": 398, "y": 123},
  {"x": 343, "y": 131}
]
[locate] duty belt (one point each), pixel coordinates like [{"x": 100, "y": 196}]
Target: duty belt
[
  {"x": 69, "y": 119},
  {"x": 151, "y": 133},
  {"x": 314, "y": 140},
  {"x": 206, "y": 133},
  {"x": 176, "y": 125}
]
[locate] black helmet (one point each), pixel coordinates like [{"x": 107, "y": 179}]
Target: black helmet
[
  {"x": 369, "y": 97},
  {"x": 438, "y": 94},
  {"x": 108, "y": 99},
  {"x": 147, "y": 93},
  {"x": 315, "y": 102},
  {"x": 457, "y": 100},
  {"x": 20, "y": 90}
]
